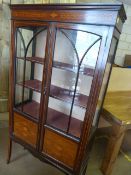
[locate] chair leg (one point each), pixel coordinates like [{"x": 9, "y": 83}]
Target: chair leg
[
  {"x": 9, "y": 151},
  {"x": 84, "y": 173}
]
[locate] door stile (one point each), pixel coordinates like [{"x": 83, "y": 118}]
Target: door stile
[{"x": 49, "y": 54}]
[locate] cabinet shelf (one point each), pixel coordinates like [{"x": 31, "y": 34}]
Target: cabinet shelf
[
  {"x": 60, "y": 120},
  {"x": 55, "y": 118},
  {"x": 30, "y": 108},
  {"x": 33, "y": 59},
  {"x": 32, "y": 84},
  {"x": 60, "y": 65},
  {"x": 69, "y": 67},
  {"x": 57, "y": 92},
  {"x": 66, "y": 95}
]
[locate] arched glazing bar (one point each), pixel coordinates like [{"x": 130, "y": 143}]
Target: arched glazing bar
[
  {"x": 72, "y": 43},
  {"x": 26, "y": 51},
  {"x": 78, "y": 68},
  {"x": 22, "y": 39},
  {"x": 18, "y": 32}
]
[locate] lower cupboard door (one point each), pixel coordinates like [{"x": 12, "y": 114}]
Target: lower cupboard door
[
  {"x": 25, "y": 129},
  {"x": 60, "y": 148}
]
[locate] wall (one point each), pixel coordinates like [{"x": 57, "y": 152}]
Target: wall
[
  {"x": 4, "y": 54},
  {"x": 120, "y": 79}
]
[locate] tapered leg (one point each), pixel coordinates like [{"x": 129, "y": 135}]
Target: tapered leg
[
  {"x": 84, "y": 173},
  {"x": 9, "y": 150}
]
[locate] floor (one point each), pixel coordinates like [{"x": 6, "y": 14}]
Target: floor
[{"x": 23, "y": 163}]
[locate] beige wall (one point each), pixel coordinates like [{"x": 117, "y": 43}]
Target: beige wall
[
  {"x": 120, "y": 79},
  {"x": 4, "y": 54}
]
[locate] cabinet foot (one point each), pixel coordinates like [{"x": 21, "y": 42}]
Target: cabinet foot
[{"x": 9, "y": 151}]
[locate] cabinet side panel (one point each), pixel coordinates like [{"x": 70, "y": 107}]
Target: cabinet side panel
[
  {"x": 60, "y": 148},
  {"x": 24, "y": 129}
]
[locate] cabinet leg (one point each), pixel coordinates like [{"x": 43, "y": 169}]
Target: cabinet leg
[
  {"x": 84, "y": 173},
  {"x": 9, "y": 150}
]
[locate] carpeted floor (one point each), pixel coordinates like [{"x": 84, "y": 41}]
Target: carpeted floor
[{"x": 23, "y": 163}]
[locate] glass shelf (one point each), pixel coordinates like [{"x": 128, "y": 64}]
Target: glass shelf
[
  {"x": 60, "y": 65},
  {"x": 57, "y": 92}
]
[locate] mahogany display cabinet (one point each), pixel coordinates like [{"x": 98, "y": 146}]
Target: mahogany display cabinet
[{"x": 61, "y": 59}]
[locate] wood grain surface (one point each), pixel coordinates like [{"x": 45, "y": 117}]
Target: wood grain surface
[
  {"x": 117, "y": 106},
  {"x": 60, "y": 148},
  {"x": 25, "y": 129}
]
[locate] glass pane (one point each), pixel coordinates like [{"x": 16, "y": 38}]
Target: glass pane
[
  {"x": 30, "y": 53},
  {"x": 105, "y": 80},
  {"x": 75, "y": 58}
]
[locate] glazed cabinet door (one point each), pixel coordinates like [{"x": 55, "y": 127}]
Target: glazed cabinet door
[
  {"x": 76, "y": 60},
  {"x": 30, "y": 44}
]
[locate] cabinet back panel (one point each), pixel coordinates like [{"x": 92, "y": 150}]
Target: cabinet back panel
[
  {"x": 24, "y": 129},
  {"x": 60, "y": 148}
]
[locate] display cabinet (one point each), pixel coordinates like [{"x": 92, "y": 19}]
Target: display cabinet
[{"x": 61, "y": 59}]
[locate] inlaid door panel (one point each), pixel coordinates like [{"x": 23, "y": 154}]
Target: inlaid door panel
[
  {"x": 25, "y": 129},
  {"x": 64, "y": 150}
]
